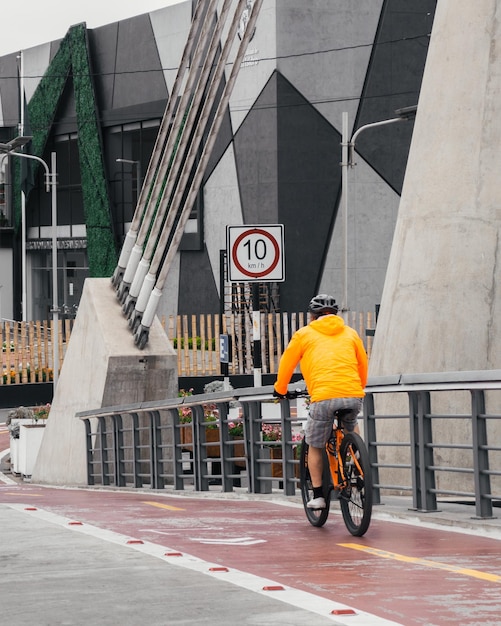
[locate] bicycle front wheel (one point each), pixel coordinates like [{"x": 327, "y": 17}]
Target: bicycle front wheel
[
  {"x": 356, "y": 498},
  {"x": 316, "y": 517}
]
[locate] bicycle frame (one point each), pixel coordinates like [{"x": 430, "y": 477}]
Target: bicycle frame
[{"x": 333, "y": 447}]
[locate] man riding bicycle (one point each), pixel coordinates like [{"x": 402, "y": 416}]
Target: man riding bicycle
[{"x": 334, "y": 366}]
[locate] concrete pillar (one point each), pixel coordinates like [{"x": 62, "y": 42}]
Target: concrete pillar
[
  {"x": 441, "y": 304},
  {"x": 102, "y": 367}
]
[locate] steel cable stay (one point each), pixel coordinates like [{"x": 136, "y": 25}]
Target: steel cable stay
[
  {"x": 179, "y": 160},
  {"x": 174, "y": 195},
  {"x": 154, "y": 289},
  {"x": 164, "y": 152},
  {"x": 187, "y": 120},
  {"x": 158, "y": 150}
]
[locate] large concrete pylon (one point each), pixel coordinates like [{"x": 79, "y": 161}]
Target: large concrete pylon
[
  {"x": 102, "y": 367},
  {"x": 441, "y": 304}
]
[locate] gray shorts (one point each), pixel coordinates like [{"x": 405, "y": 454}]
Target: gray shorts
[{"x": 321, "y": 419}]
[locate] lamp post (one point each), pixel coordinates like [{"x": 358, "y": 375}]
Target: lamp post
[
  {"x": 347, "y": 153},
  {"x": 138, "y": 172},
  {"x": 24, "y": 293},
  {"x": 8, "y": 149}
]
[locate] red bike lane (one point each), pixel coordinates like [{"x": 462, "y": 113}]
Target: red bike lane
[{"x": 405, "y": 573}]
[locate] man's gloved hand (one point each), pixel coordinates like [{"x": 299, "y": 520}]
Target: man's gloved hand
[{"x": 279, "y": 395}]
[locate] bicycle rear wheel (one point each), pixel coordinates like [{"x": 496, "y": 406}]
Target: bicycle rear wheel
[
  {"x": 356, "y": 498},
  {"x": 316, "y": 517}
]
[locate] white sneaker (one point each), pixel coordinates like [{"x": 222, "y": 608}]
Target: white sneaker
[{"x": 316, "y": 503}]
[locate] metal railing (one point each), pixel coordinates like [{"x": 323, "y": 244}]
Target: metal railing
[
  {"x": 421, "y": 450},
  {"x": 151, "y": 443},
  {"x": 449, "y": 451}
]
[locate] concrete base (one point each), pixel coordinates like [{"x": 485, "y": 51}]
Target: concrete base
[{"x": 102, "y": 367}]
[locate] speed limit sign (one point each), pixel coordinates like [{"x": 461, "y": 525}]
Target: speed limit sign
[{"x": 255, "y": 253}]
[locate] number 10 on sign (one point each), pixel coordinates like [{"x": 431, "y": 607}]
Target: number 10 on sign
[{"x": 255, "y": 253}]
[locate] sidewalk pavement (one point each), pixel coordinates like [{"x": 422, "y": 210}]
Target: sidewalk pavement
[{"x": 52, "y": 576}]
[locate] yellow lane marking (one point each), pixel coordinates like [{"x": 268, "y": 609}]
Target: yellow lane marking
[
  {"x": 494, "y": 578},
  {"x": 164, "y": 506},
  {"x": 16, "y": 493}
]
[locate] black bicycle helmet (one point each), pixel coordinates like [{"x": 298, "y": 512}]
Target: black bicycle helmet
[{"x": 323, "y": 303}]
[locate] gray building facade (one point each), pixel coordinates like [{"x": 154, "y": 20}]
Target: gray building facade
[{"x": 276, "y": 159}]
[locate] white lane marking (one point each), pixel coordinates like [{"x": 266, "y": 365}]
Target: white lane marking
[
  {"x": 289, "y": 595},
  {"x": 237, "y": 541},
  {"x": 175, "y": 531}
]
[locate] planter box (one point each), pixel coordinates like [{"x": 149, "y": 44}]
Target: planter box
[
  {"x": 29, "y": 442},
  {"x": 14, "y": 444},
  {"x": 239, "y": 450},
  {"x": 276, "y": 468},
  {"x": 14, "y": 455},
  {"x": 211, "y": 436},
  {"x": 25, "y": 394}
]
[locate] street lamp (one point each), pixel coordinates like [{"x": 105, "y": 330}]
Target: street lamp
[
  {"x": 13, "y": 144},
  {"x": 138, "y": 171},
  {"x": 8, "y": 149},
  {"x": 348, "y": 148}
]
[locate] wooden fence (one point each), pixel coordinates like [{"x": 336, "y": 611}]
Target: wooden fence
[
  {"x": 201, "y": 357},
  {"x": 27, "y": 355}
]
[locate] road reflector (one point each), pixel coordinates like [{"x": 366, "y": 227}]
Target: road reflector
[
  {"x": 218, "y": 569},
  {"x": 343, "y": 612}
]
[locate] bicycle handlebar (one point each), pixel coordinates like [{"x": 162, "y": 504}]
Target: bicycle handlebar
[{"x": 292, "y": 395}]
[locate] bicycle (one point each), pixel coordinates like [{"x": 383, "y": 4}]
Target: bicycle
[{"x": 346, "y": 472}]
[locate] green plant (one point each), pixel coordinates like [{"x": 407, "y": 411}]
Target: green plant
[
  {"x": 44, "y": 375},
  {"x": 211, "y": 414},
  {"x": 271, "y": 432},
  {"x": 73, "y": 56},
  {"x": 185, "y": 414},
  {"x": 236, "y": 428},
  {"x": 41, "y": 412},
  {"x": 198, "y": 343}
]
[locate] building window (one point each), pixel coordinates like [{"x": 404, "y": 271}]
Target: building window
[
  {"x": 135, "y": 142},
  {"x": 72, "y": 270},
  {"x": 70, "y": 211}
]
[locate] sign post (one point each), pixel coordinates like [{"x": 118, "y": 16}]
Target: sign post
[
  {"x": 225, "y": 352},
  {"x": 255, "y": 254}
]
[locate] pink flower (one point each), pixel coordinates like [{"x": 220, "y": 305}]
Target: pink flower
[{"x": 271, "y": 432}]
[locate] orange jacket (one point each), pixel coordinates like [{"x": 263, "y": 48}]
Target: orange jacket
[{"x": 333, "y": 360}]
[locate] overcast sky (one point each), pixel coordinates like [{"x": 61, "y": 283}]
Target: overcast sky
[{"x": 27, "y": 23}]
